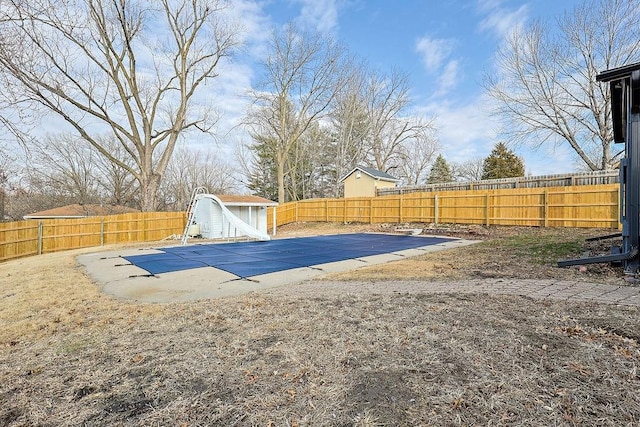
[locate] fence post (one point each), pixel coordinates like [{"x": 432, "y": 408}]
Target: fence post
[
  {"x": 274, "y": 218},
  {"x": 545, "y": 209},
  {"x": 344, "y": 211},
  {"x": 400, "y": 208},
  {"x": 40, "y": 231},
  {"x": 435, "y": 209},
  {"x": 102, "y": 231},
  {"x": 486, "y": 208},
  {"x": 326, "y": 210},
  {"x": 371, "y": 210},
  {"x": 295, "y": 210}
]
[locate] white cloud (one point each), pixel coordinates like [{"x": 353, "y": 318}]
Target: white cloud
[
  {"x": 488, "y": 5},
  {"x": 434, "y": 52},
  {"x": 448, "y": 78},
  {"x": 465, "y": 131},
  {"x": 252, "y": 23},
  {"x": 468, "y": 131},
  {"x": 321, "y": 15},
  {"x": 227, "y": 93},
  {"x": 499, "y": 20},
  {"x": 436, "y": 57}
]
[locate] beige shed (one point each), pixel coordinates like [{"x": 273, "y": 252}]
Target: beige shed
[{"x": 363, "y": 182}]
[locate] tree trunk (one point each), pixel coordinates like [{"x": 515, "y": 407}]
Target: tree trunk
[
  {"x": 2, "y": 198},
  {"x": 149, "y": 192},
  {"x": 281, "y": 194}
]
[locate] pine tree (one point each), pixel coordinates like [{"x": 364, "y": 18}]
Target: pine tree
[
  {"x": 440, "y": 171},
  {"x": 263, "y": 180},
  {"x": 502, "y": 163}
]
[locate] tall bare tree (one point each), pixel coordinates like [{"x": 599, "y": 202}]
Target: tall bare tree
[
  {"x": 130, "y": 67},
  {"x": 116, "y": 184},
  {"x": 6, "y": 170},
  {"x": 303, "y": 74},
  {"x": 350, "y": 124},
  {"x": 189, "y": 169},
  {"x": 389, "y": 124},
  {"x": 418, "y": 154},
  {"x": 65, "y": 167},
  {"x": 545, "y": 83}
]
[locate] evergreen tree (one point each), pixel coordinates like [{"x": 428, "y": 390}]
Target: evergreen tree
[
  {"x": 440, "y": 171},
  {"x": 502, "y": 163},
  {"x": 263, "y": 179},
  {"x": 306, "y": 171}
]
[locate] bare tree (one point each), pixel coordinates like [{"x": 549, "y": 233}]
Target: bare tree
[
  {"x": 350, "y": 125},
  {"x": 417, "y": 153},
  {"x": 388, "y": 128},
  {"x": 131, "y": 67},
  {"x": 15, "y": 123},
  {"x": 470, "y": 170},
  {"x": 63, "y": 167},
  {"x": 304, "y": 72},
  {"x": 68, "y": 167},
  {"x": 6, "y": 170},
  {"x": 116, "y": 184},
  {"x": 545, "y": 84},
  {"x": 189, "y": 169}
]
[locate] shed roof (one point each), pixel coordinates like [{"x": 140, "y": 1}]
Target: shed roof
[
  {"x": 80, "y": 211},
  {"x": 238, "y": 200},
  {"x": 618, "y": 73},
  {"x": 373, "y": 173}
]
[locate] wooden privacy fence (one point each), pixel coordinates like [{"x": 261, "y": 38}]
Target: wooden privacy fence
[
  {"x": 31, "y": 237},
  {"x": 557, "y": 180},
  {"x": 578, "y": 206}
]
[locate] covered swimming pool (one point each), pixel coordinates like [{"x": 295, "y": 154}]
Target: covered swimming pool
[{"x": 247, "y": 259}]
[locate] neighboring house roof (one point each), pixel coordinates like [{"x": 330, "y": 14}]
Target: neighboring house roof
[
  {"x": 237, "y": 200},
  {"x": 80, "y": 211},
  {"x": 373, "y": 173}
]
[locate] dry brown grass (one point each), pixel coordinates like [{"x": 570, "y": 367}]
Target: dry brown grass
[
  {"x": 71, "y": 356},
  {"x": 45, "y": 295},
  {"x": 505, "y": 252}
]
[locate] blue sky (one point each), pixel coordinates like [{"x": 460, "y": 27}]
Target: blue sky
[{"x": 444, "y": 46}]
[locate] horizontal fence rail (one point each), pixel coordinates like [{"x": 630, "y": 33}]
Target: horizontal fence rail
[{"x": 594, "y": 206}]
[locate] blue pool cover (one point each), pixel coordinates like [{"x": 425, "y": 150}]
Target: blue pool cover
[{"x": 248, "y": 259}]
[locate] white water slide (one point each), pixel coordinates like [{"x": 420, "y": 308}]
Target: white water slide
[{"x": 210, "y": 218}]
